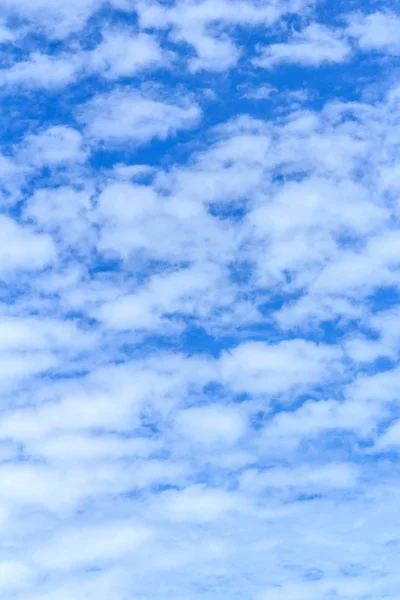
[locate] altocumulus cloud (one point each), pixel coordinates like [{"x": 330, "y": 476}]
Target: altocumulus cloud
[{"x": 199, "y": 300}]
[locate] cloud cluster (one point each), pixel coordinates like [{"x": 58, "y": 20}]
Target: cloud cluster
[{"x": 199, "y": 298}]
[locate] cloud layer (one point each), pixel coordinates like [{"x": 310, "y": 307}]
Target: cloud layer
[{"x": 199, "y": 300}]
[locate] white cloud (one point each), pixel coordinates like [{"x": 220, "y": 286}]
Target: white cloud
[
  {"x": 211, "y": 424},
  {"x": 315, "y": 418},
  {"x": 206, "y": 12},
  {"x": 14, "y": 576},
  {"x": 312, "y": 47},
  {"x": 17, "y": 368},
  {"x": 32, "y": 345},
  {"x": 7, "y": 35},
  {"x": 197, "y": 504},
  {"x": 387, "y": 344},
  {"x": 306, "y": 478},
  {"x": 121, "y": 54},
  {"x": 131, "y": 115},
  {"x": 377, "y": 31},
  {"x": 188, "y": 16},
  {"x": 110, "y": 398},
  {"x": 192, "y": 404},
  {"x": 174, "y": 294},
  {"x": 40, "y": 71},
  {"x": 273, "y": 369},
  {"x": 301, "y": 590},
  {"x": 62, "y": 211},
  {"x": 261, "y": 93},
  {"x": 198, "y": 24},
  {"x": 133, "y": 215},
  {"x": 213, "y": 54},
  {"x": 32, "y": 333},
  {"x": 22, "y": 248},
  {"x": 390, "y": 438},
  {"x": 52, "y": 147},
  {"x": 230, "y": 170},
  {"x": 58, "y": 18},
  {"x": 73, "y": 447},
  {"x": 62, "y": 489},
  {"x": 98, "y": 545}
]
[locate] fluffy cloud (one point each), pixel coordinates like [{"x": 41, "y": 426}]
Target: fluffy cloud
[
  {"x": 313, "y": 46},
  {"x": 121, "y": 54},
  {"x": 273, "y": 369},
  {"x": 54, "y": 146},
  {"x": 23, "y": 249},
  {"x": 127, "y": 114},
  {"x": 376, "y": 31},
  {"x": 58, "y": 19},
  {"x": 97, "y": 545},
  {"x": 198, "y": 504},
  {"x": 193, "y": 22},
  {"x": 199, "y": 297},
  {"x": 40, "y": 71},
  {"x": 211, "y": 424}
]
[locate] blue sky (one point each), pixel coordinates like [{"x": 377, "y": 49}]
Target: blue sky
[{"x": 200, "y": 300}]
